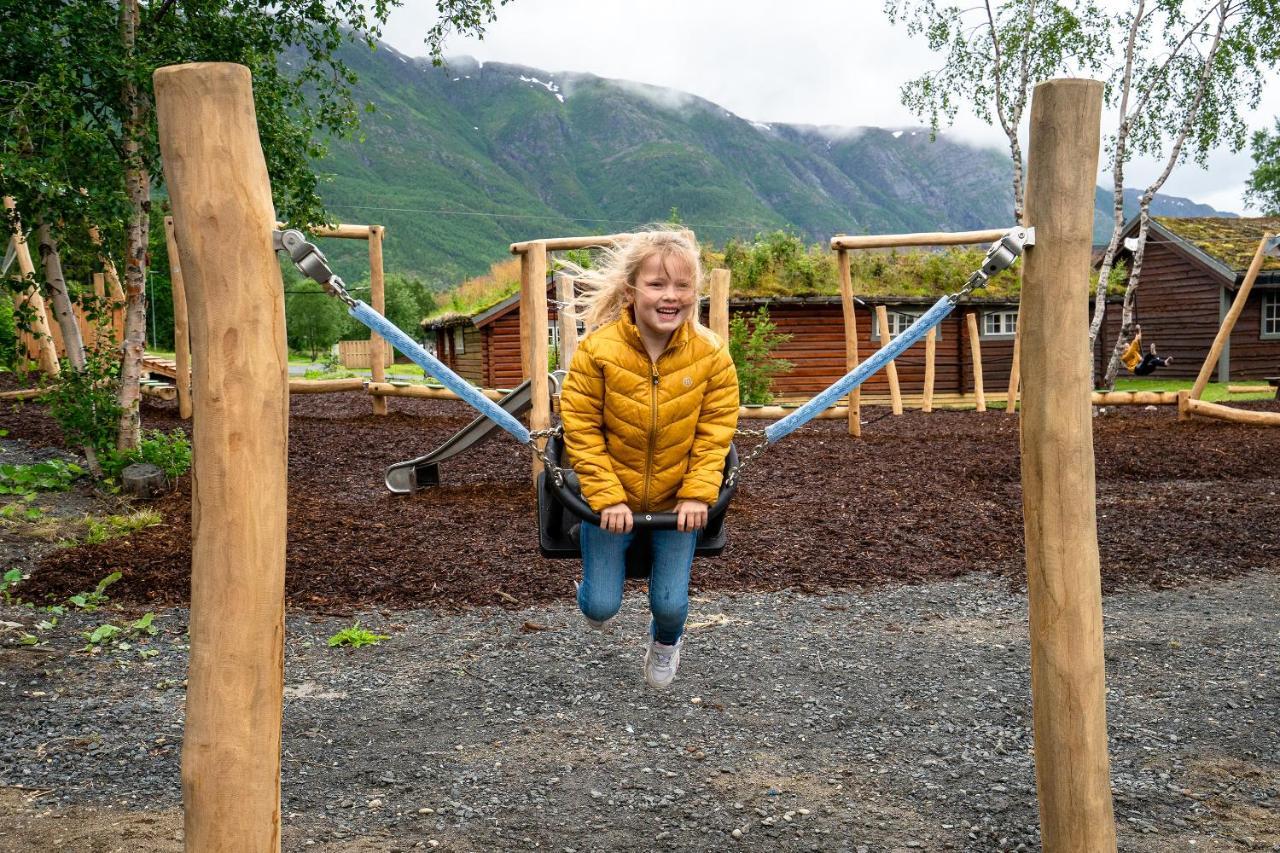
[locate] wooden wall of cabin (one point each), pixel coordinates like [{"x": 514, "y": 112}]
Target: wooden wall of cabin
[
  {"x": 1178, "y": 307},
  {"x": 501, "y": 346},
  {"x": 1251, "y": 356}
]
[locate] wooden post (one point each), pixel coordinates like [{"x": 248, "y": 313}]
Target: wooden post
[
  {"x": 1059, "y": 500},
  {"x": 46, "y": 350},
  {"x": 100, "y": 300},
  {"x": 534, "y": 324},
  {"x": 527, "y": 276},
  {"x": 221, "y": 196},
  {"x": 718, "y": 310},
  {"x": 566, "y": 320},
  {"x": 1184, "y": 405},
  {"x": 1229, "y": 322},
  {"x": 1011, "y": 407},
  {"x": 930, "y": 358},
  {"x": 113, "y": 279},
  {"x": 975, "y": 352},
  {"x": 378, "y": 300},
  {"x": 850, "y": 340},
  {"x": 891, "y": 369},
  {"x": 181, "y": 335}
]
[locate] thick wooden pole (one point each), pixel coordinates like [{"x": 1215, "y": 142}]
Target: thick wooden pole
[
  {"x": 718, "y": 310},
  {"x": 223, "y": 218},
  {"x": 1229, "y": 322},
  {"x": 181, "y": 333},
  {"x": 566, "y": 320},
  {"x": 1059, "y": 500},
  {"x": 46, "y": 350},
  {"x": 975, "y": 354},
  {"x": 527, "y": 274},
  {"x": 891, "y": 369},
  {"x": 377, "y": 299},
  {"x": 930, "y": 360},
  {"x": 1015, "y": 370},
  {"x": 536, "y": 326},
  {"x": 850, "y": 340}
]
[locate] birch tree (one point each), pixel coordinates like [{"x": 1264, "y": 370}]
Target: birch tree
[
  {"x": 994, "y": 54},
  {"x": 1188, "y": 72},
  {"x": 77, "y": 82},
  {"x": 1264, "y": 182}
]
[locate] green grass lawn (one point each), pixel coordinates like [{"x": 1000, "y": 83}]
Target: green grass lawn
[{"x": 1214, "y": 392}]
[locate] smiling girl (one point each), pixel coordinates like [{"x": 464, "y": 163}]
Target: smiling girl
[{"x": 650, "y": 406}]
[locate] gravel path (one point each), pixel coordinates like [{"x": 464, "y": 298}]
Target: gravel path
[{"x": 887, "y": 720}]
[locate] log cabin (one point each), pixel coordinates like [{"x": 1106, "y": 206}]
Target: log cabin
[
  {"x": 1191, "y": 270},
  {"x": 484, "y": 347}
]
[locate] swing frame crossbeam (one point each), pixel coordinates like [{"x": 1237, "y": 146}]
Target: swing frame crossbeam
[{"x": 220, "y": 193}]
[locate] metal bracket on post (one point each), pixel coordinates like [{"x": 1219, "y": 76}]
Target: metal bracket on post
[
  {"x": 1000, "y": 256},
  {"x": 1272, "y": 249},
  {"x": 311, "y": 262}
]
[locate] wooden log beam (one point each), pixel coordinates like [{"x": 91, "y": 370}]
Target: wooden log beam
[
  {"x": 1064, "y": 589},
  {"x": 718, "y": 306},
  {"x": 1229, "y": 322},
  {"x": 536, "y": 324},
  {"x": 853, "y": 409},
  {"x": 975, "y": 353},
  {"x": 181, "y": 334},
  {"x": 891, "y": 369},
  {"x": 41, "y": 336},
  {"x": 423, "y": 392},
  {"x": 930, "y": 371},
  {"x": 556, "y": 244},
  {"x": 221, "y": 196},
  {"x": 23, "y": 394},
  {"x": 1227, "y": 413},
  {"x": 325, "y": 386},
  {"x": 340, "y": 231},
  {"x": 942, "y": 238},
  {"x": 378, "y": 301},
  {"x": 1135, "y": 398},
  {"x": 566, "y": 319},
  {"x": 1249, "y": 389}
]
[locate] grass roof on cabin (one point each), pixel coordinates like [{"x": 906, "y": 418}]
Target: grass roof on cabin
[
  {"x": 1231, "y": 242},
  {"x": 477, "y": 294}
]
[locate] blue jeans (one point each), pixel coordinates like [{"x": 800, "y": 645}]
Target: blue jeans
[{"x": 604, "y": 567}]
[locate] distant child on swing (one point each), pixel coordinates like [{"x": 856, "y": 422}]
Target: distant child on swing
[
  {"x": 650, "y": 407},
  {"x": 1141, "y": 364}
]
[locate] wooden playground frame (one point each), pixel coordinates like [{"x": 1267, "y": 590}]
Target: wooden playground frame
[{"x": 221, "y": 198}]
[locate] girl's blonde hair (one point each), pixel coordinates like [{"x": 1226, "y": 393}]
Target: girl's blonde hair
[{"x": 605, "y": 289}]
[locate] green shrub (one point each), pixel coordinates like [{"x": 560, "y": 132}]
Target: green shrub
[
  {"x": 751, "y": 344},
  {"x": 84, "y": 404},
  {"x": 168, "y": 451}
]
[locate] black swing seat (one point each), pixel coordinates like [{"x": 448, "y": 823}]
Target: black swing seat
[{"x": 561, "y": 510}]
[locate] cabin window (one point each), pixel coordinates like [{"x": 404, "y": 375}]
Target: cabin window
[
  {"x": 899, "y": 322},
  {"x": 459, "y": 338},
  {"x": 999, "y": 324},
  {"x": 1271, "y": 314}
]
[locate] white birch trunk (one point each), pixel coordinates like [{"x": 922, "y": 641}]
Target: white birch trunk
[{"x": 138, "y": 185}]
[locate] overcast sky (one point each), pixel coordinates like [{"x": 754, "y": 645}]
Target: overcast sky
[{"x": 827, "y": 62}]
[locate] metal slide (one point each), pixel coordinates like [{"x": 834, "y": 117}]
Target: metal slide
[{"x": 407, "y": 477}]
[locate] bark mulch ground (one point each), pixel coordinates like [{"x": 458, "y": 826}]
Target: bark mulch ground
[{"x": 921, "y": 497}]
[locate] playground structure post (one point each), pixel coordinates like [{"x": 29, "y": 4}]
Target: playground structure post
[
  {"x": 223, "y": 219},
  {"x": 930, "y": 361},
  {"x": 565, "y": 319},
  {"x": 113, "y": 279},
  {"x": 1059, "y": 497},
  {"x": 39, "y": 341},
  {"x": 850, "y": 339},
  {"x": 1229, "y": 322},
  {"x": 534, "y": 328},
  {"x": 975, "y": 353},
  {"x": 181, "y": 335},
  {"x": 377, "y": 299},
  {"x": 1015, "y": 369},
  {"x": 718, "y": 308},
  {"x": 891, "y": 369}
]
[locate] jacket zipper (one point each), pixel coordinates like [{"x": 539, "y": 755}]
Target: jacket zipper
[{"x": 653, "y": 430}]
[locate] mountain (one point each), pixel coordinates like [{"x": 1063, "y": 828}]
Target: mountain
[{"x": 459, "y": 161}]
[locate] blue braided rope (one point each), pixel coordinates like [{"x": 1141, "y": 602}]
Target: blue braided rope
[
  {"x": 432, "y": 365},
  {"x": 854, "y": 378}
]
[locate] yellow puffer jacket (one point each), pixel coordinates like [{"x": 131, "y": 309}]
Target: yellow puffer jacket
[{"x": 649, "y": 434}]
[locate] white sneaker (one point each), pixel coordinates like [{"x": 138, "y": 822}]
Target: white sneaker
[
  {"x": 605, "y": 626},
  {"x": 661, "y": 662}
]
